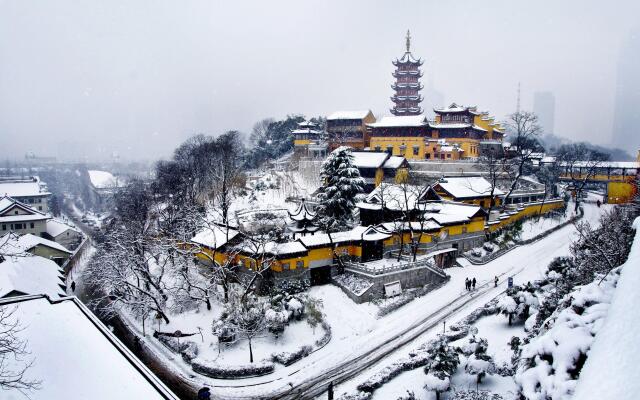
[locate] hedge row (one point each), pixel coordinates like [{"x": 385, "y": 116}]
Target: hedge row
[{"x": 213, "y": 370}]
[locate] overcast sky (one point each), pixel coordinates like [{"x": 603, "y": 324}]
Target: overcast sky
[{"x": 87, "y": 78}]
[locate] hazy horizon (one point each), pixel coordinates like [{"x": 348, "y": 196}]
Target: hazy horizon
[{"x": 87, "y": 79}]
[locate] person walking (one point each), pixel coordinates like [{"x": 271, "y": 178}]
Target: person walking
[
  {"x": 73, "y": 286},
  {"x": 467, "y": 283},
  {"x": 495, "y": 281},
  {"x": 473, "y": 283},
  {"x": 204, "y": 394}
]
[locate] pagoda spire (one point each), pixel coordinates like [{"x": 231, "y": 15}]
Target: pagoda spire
[{"x": 407, "y": 86}]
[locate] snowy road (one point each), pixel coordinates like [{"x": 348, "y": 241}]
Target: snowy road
[{"x": 360, "y": 345}]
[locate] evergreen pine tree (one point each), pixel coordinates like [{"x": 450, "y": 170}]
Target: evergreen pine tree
[{"x": 339, "y": 192}]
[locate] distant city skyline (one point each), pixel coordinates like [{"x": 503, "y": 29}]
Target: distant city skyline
[
  {"x": 626, "y": 119},
  {"x": 544, "y": 105}
]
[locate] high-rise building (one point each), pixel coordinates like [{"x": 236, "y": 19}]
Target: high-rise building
[
  {"x": 626, "y": 119},
  {"x": 544, "y": 106},
  {"x": 407, "y": 86}
]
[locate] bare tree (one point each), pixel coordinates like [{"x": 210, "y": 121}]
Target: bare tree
[
  {"x": 524, "y": 133},
  {"x": 579, "y": 165},
  {"x": 494, "y": 165},
  {"x": 13, "y": 353}
]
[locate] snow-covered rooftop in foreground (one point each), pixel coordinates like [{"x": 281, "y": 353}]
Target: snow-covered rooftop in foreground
[
  {"x": 30, "y": 274},
  {"x": 215, "y": 236},
  {"x": 468, "y": 187},
  {"x": 22, "y": 188},
  {"x": 358, "y": 114},
  {"x": 102, "y": 179},
  {"x": 76, "y": 357},
  {"x": 28, "y": 241},
  {"x": 611, "y": 370}
]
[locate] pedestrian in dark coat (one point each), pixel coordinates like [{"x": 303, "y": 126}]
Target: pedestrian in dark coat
[
  {"x": 473, "y": 283},
  {"x": 495, "y": 282},
  {"x": 73, "y": 286},
  {"x": 204, "y": 394},
  {"x": 467, "y": 283}
]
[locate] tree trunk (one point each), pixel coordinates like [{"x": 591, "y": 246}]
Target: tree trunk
[
  {"x": 437, "y": 395},
  {"x": 510, "y": 317},
  {"x": 250, "y": 352}
]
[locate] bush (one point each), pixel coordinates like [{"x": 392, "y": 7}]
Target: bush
[
  {"x": 213, "y": 370},
  {"x": 327, "y": 335},
  {"x": 186, "y": 348},
  {"x": 286, "y": 358}
]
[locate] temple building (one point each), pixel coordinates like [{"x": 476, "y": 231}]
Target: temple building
[
  {"x": 349, "y": 128},
  {"x": 308, "y": 141},
  {"x": 457, "y": 133},
  {"x": 467, "y": 127},
  {"x": 407, "y": 86}
]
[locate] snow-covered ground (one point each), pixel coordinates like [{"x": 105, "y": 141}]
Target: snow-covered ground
[
  {"x": 535, "y": 226},
  {"x": 529, "y": 262}
]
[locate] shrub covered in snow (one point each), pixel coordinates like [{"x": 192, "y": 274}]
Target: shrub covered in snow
[
  {"x": 478, "y": 362},
  {"x": 353, "y": 283},
  {"x": 214, "y": 370},
  {"x": 288, "y": 358},
  {"x": 474, "y": 395},
  {"x": 441, "y": 364},
  {"x": 186, "y": 348},
  {"x": 551, "y": 363},
  {"x": 326, "y": 337}
]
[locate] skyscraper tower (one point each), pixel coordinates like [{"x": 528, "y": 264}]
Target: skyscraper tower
[
  {"x": 544, "y": 106},
  {"x": 407, "y": 86},
  {"x": 626, "y": 118}
]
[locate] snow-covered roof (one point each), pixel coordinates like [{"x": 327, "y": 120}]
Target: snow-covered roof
[
  {"x": 447, "y": 212},
  {"x": 8, "y": 203},
  {"x": 56, "y": 227},
  {"x": 102, "y": 179},
  {"x": 423, "y": 226},
  {"x": 394, "y": 162},
  {"x": 451, "y": 109},
  {"x": 322, "y": 239},
  {"x": 31, "y": 274},
  {"x": 463, "y": 187},
  {"x": 369, "y": 159},
  {"x": 358, "y": 114},
  {"x": 76, "y": 356},
  {"x": 22, "y": 188},
  {"x": 215, "y": 236},
  {"x": 407, "y": 57},
  {"x": 400, "y": 121},
  {"x": 302, "y": 213},
  {"x": 28, "y": 241},
  {"x": 445, "y": 125}
]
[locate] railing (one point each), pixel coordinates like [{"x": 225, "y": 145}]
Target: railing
[{"x": 424, "y": 263}]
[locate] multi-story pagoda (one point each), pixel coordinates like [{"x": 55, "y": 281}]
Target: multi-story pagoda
[{"x": 407, "y": 86}]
